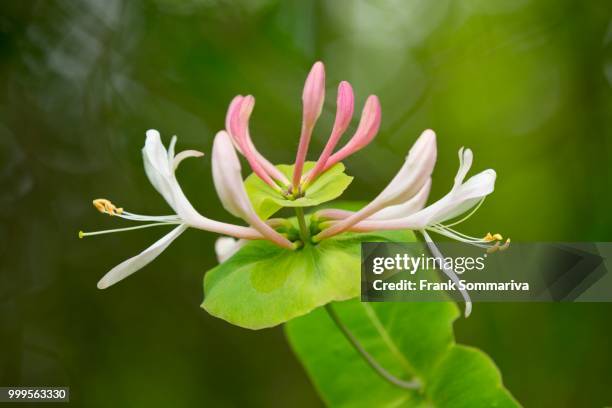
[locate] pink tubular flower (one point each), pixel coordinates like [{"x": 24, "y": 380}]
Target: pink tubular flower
[
  {"x": 312, "y": 99},
  {"x": 237, "y": 124},
  {"x": 344, "y": 113},
  {"x": 407, "y": 182},
  {"x": 231, "y": 191},
  {"x": 366, "y": 131},
  {"x": 268, "y": 167}
]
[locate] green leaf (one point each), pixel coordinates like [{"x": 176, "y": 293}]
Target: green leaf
[
  {"x": 264, "y": 285},
  {"x": 326, "y": 187},
  {"x": 410, "y": 340}
]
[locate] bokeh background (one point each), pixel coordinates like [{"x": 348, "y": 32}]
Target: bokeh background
[{"x": 525, "y": 83}]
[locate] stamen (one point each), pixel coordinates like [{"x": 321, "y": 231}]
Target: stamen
[
  {"x": 485, "y": 243},
  {"x": 87, "y": 234},
  {"x": 443, "y": 229},
  {"x": 468, "y": 215},
  {"x": 105, "y": 206}
]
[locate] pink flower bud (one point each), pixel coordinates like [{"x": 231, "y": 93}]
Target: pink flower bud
[
  {"x": 237, "y": 122},
  {"x": 312, "y": 98},
  {"x": 345, "y": 106},
  {"x": 237, "y": 125},
  {"x": 366, "y": 131},
  {"x": 344, "y": 114},
  {"x": 232, "y": 111},
  {"x": 314, "y": 94}
]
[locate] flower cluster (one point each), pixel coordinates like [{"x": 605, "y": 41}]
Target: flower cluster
[{"x": 400, "y": 205}]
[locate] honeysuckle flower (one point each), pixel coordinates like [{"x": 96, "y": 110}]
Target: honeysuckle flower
[
  {"x": 160, "y": 166},
  {"x": 411, "y": 177},
  {"x": 230, "y": 189},
  {"x": 463, "y": 197}
]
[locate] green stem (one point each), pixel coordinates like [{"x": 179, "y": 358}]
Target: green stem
[
  {"x": 409, "y": 385},
  {"x": 304, "y": 234}
]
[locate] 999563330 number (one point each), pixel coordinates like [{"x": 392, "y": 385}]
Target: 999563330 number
[{"x": 33, "y": 394}]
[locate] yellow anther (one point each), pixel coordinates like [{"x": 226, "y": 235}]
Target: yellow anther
[
  {"x": 505, "y": 246},
  {"x": 492, "y": 237},
  {"x": 105, "y": 206},
  {"x": 81, "y": 234},
  {"x": 99, "y": 203}
]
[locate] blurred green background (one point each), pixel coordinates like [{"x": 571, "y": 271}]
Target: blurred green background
[{"x": 526, "y": 84}]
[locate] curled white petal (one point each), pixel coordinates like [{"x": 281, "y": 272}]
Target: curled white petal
[
  {"x": 129, "y": 266},
  {"x": 459, "y": 200},
  {"x": 225, "y": 247},
  {"x": 466, "y": 157},
  {"x": 448, "y": 271},
  {"x": 171, "y": 147},
  {"x": 176, "y": 160}
]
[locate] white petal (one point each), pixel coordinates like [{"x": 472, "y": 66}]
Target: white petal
[
  {"x": 448, "y": 271},
  {"x": 466, "y": 158},
  {"x": 155, "y": 151},
  {"x": 176, "y": 160},
  {"x": 171, "y": 148},
  {"x": 156, "y": 165},
  {"x": 470, "y": 193},
  {"x": 227, "y": 176},
  {"x": 128, "y": 267},
  {"x": 407, "y": 208},
  {"x": 459, "y": 200},
  {"x": 225, "y": 247},
  {"x": 414, "y": 173}
]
